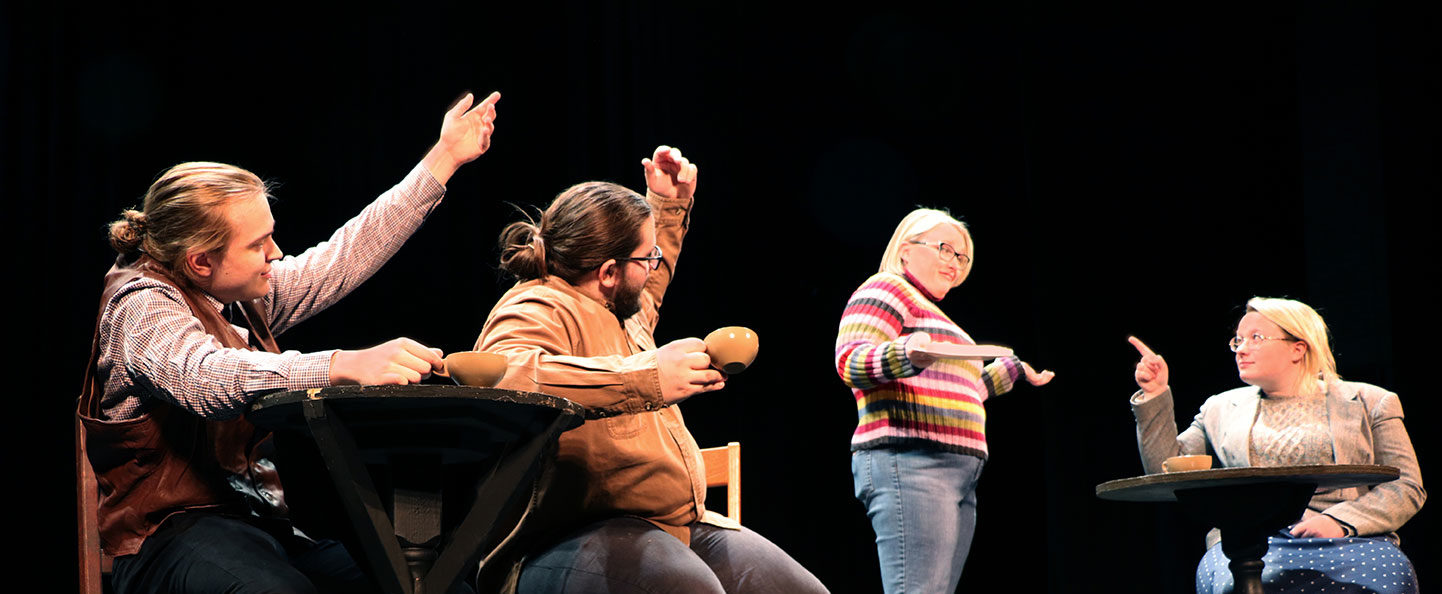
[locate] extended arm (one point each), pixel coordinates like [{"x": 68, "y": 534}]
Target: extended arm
[
  {"x": 152, "y": 344},
  {"x": 670, "y": 190},
  {"x": 308, "y": 283},
  {"x": 535, "y": 337}
]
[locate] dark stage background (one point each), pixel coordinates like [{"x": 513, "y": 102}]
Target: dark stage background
[{"x": 1125, "y": 169}]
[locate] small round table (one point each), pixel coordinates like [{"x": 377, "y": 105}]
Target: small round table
[
  {"x": 1246, "y": 504},
  {"x": 429, "y": 479}
]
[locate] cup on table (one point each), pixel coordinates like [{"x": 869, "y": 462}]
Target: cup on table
[{"x": 1186, "y": 463}]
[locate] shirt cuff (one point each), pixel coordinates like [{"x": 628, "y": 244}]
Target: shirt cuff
[
  {"x": 310, "y": 370},
  {"x": 421, "y": 190},
  {"x": 1141, "y": 397}
]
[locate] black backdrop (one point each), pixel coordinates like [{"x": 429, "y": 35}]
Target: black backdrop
[{"x": 1124, "y": 168}]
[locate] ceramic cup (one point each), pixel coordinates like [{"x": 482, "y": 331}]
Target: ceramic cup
[
  {"x": 1186, "y": 463},
  {"x": 474, "y": 368},
  {"x": 732, "y": 348}
]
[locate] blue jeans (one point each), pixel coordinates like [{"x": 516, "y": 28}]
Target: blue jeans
[
  {"x": 922, "y": 505},
  {"x": 631, "y": 555}
]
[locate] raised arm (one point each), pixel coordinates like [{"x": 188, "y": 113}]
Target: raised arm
[
  {"x": 306, "y": 284},
  {"x": 670, "y": 190},
  {"x": 1157, "y": 437}
]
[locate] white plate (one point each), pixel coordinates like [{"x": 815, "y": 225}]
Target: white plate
[{"x": 947, "y": 350}]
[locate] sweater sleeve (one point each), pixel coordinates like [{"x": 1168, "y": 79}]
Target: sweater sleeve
[
  {"x": 1000, "y": 377},
  {"x": 1157, "y": 437},
  {"x": 870, "y": 346}
]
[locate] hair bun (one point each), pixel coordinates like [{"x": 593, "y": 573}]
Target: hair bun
[
  {"x": 137, "y": 220},
  {"x": 523, "y": 250},
  {"x": 127, "y": 233}
]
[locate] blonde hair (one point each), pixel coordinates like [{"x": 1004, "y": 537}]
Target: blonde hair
[
  {"x": 182, "y": 213},
  {"x": 1306, "y": 325},
  {"x": 918, "y": 222}
]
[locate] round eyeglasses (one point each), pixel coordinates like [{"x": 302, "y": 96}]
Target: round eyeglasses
[
  {"x": 944, "y": 250},
  {"x": 653, "y": 260},
  {"x": 1238, "y": 342}
]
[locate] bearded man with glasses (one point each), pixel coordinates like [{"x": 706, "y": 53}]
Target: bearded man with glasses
[{"x": 625, "y": 510}]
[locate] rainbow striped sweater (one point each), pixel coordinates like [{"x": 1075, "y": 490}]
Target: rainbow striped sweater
[{"x": 898, "y": 404}]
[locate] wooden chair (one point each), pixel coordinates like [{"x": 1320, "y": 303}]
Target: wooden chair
[
  {"x": 94, "y": 564},
  {"x": 723, "y": 469}
]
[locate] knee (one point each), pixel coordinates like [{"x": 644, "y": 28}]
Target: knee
[
  {"x": 654, "y": 576},
  {"x": 282, "y": 580},
  {"x": 622, "y": 555}
]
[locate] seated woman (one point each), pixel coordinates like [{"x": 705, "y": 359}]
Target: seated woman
[{"x": 1296, "y": 411}]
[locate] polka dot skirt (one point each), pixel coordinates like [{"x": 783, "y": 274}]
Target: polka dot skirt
[{"x": 1318, "y": 565}]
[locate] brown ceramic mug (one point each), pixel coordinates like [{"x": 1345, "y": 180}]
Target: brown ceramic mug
[
  {"x": 732, "y": 349},
  {"x": 1186, "y": 463},
  {"x": 474, "y": 368}
]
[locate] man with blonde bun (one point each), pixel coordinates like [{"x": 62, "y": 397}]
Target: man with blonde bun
[{"x": 185, "y": 342}]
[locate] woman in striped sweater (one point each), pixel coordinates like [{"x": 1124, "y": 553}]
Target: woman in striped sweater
[{"x": 920, "y": 441}]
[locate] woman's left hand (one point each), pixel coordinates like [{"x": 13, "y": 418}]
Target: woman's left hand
[
  {"x": 1319, "y": 526},
  {"x": 1037, "y": 379}
]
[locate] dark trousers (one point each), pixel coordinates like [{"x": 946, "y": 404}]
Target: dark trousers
[
  {"x": 200, "y": 552},
  {"x": 631, "y": 555}
]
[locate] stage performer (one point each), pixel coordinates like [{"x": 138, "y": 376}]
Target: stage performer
[
  {"x": 184, "y": 343},
  {"x": 626, "y": 509},
  {"x": 1295, "y": 410},
  {"x": 920, "y": 439}
]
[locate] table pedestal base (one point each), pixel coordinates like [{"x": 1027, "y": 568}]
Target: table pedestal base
[
  {"x": 1247, "y": 515},
  {"x": 421, "y": 490}
]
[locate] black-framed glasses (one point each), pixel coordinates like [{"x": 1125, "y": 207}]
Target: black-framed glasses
[
  {"x": 944, "y": 250},
  {"x": 653, "y": 260},
  {"x": 1256, "y": 339}
]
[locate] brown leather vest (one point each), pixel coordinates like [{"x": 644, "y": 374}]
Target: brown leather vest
[{"x": 170, "y": 460}]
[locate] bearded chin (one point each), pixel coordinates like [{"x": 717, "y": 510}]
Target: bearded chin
[{"x": 627, "y": 302}]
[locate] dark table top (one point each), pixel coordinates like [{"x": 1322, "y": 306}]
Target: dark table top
[
  {"x": 457, "y": 421},
  {"x": 417, "y": 394},
  {"x": 1163, "y": 487}
]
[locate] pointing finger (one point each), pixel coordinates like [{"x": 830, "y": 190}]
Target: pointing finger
[
  {"x": 490, "y": 101},
  {"x": 1141, "y": 346}
]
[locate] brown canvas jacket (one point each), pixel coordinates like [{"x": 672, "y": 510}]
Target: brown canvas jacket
[{"x": 634, "y": 455}]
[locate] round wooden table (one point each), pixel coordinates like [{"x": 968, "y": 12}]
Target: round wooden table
[
  {"x": 420, "y": 482},
  {"x": 1246, "y": 504}
]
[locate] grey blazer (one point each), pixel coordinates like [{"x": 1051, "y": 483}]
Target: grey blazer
[{"x": 1366, "y": 426}]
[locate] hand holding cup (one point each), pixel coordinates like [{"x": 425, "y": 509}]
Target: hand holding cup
[{"x": 732, "y": 349}]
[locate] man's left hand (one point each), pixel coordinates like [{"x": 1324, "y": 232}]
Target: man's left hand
[{"x": 670, "y": 175}]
